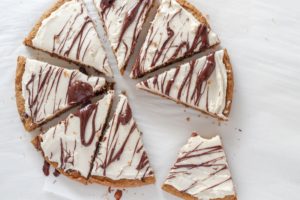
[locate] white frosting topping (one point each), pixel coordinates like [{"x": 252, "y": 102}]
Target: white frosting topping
[
  {"x": 62, "y": 144},
  {"x": 69, "y": 32},
  {"x": 175, "y": 33},
  {"x": 45, "y": 88},
  {"x": 201, "y": 170},
  {"x": 121, "y": 153},
  {"x": 183, "y": 83},
  {"x": 123, "y": 21}
]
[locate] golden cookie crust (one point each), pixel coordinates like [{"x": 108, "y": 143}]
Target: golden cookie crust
[{"x": 170, "y": 189}]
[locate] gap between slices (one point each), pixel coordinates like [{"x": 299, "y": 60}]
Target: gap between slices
[
  {"x": 122, "y": 160},
  {"x": 178, "y": 31},
  {"x": 44, "y": 91},
  {"x": 71, "y": 145},
  {"x": 201, "y": 171},
  {"x": 205, "y": 84},
  {"x": 66, "y": 31},
  {"x": 123, "y": 21}
]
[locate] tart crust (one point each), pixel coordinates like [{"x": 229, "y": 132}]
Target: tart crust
[
  {"x": 170, "y": 189},
  {"x": 121, "y": 183}
]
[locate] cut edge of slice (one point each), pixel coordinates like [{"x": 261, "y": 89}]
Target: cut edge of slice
[
  {"x": 103, "y": 180},
  {"x": 72, "y": 174},
  {"x": 27, "y": 121},
  {"x": 122, "y": 68},
  {"x": 28, "y": 40},
  {"x": 200, "y": 17},
  {"x": 229, "y": 91}
]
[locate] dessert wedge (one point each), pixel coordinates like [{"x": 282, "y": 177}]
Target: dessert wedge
[
  {"x": 71, "y": 145},
  {"x": 123, "y": 21},
  {"x": 178, "y": 31},
  {"x": 66, "y": 31},
  {"x": 205, "y": 84},
  {"x": 201, "y": 172},
  {"x": 43, "y": 91},
  {"x": 122, "y": 160}
]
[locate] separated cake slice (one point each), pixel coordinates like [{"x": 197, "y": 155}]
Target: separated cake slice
[
  {"x": 123, "y": 21},
  {"x": 71, "y": 145},
  {"x": 201, "y": 172},
  {"x": 122, "y": 160},
  {"x": 178, "y": 30},
  {"x": 44, "y": 91},
  {"x": 205, "y": 84},
  {"x": 66, "y": 31}
]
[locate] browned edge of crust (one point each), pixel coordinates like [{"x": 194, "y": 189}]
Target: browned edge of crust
[
  {"x": 28, "y": 123},
  {"x": 122, "y": 182},
  {"x": 230, "y": 84},
  {"x": 194, "y": 11},
  {"x": 32, "y": 34},
  {"x": 170, "y": 189},
  {"x": 74, "y": 175}
]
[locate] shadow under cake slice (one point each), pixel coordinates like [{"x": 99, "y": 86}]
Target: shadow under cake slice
[
  {"x": 201, "y": 171},
  {"x": 66, "y": 31},
  {"x": 44, "y": 91},
  {"x": 178, "y": 31},
  {"x": 71, "y": 145},
  {"x": 122, "y": 160},
  {"x": 123, "y": 21},
  {"x": 205, "y": 84}
]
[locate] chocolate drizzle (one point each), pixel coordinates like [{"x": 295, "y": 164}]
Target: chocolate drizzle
[
  {"x": 45, "y": 91},
  {"x": 131, "y": 17},
  {"x": 79, "y": 39},
  {"x": 192, "y": 95},
  {"x": 79, "y": 92},
  {"x": 164, "y": 53},
  {"x": 85, "y": 114},
  {"x": 46, "y": 168},
  {"x": 201, "y": 157},
  {"x": 116, "y": 141}
]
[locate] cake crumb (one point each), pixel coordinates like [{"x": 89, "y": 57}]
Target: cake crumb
[
  {"x": 188, "y": 119},
  {"x": 118, "y": 195}
]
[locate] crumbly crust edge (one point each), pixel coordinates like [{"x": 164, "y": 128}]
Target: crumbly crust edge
[{"x": 172, "y": 190}]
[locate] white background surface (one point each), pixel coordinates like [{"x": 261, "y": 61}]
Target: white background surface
[{"x": 263, "y": 39}]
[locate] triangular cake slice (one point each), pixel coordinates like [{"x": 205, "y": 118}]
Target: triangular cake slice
[
  {"x": 66, "y": 31},
  {"x": 205, "y": 84},
  {"x": 44, "y": 91},
  {"x": 178, "y": 31},
  {"x": 201, "y": 171},
  {"x": 71, "y": 145},
  {"x": 123, "y": 21},
  {"x": 122, "y": 160}
]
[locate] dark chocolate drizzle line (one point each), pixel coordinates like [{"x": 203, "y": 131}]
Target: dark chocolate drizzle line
[
  {"x": 199, "y": 152},
  {"x": 137, "y": 12},
  {"x": 113, "y": 152},
  {"x": 66, "y": 155},
  {"x": 199, "y": 43},
  {"x": 85, "y": 114},
  {"x": 200, "y": 86},
  {"x": 79, "y": 39},
  {"x": 48, "y": 81}
]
